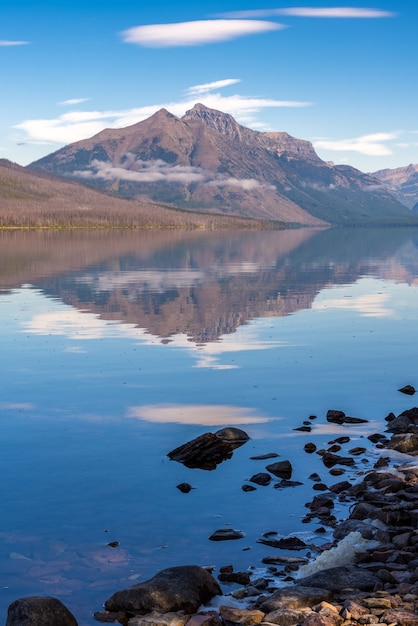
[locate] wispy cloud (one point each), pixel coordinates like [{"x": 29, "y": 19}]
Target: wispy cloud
[
  {"x": 194, "y": 33},
  {"x": 77, "y": 125},
  {"x": 8, "y": 43},
  {"x": 327, "y": 12},
  {"x": 206, "y": 87},
  {"x": 372, "y": 145},
  {"x": 73, "y": 101}
]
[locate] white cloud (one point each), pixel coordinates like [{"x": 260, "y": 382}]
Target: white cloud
[
  {"x": 372, "y": 145},
  {"x": 160, "y": 171},
  {"x": 73, "y": 101},
  {"x": 8, "y": 43},
  {"x": 203, "y": 415},
  {"x": 77, "y": 125},
  {"x": 327, "y": 12},
  {"x": 195, "y": 33},
  {"x": 217, "y": 84}
]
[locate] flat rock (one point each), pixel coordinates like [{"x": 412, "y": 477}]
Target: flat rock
[
  {"x": 226, "y": 534},
  {"x": 182, "y": 588},
  {"x": 232, "y": 435},
  {"x": 337, "y": 578},
  {"x": 294, "y": 597},
  {"x": 286, "y": 543},
  {"x": 329, "y": 460},
  {"x": 39, "y": 611}
]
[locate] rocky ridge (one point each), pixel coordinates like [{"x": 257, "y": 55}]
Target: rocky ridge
[{"x": 206, "y": 161}]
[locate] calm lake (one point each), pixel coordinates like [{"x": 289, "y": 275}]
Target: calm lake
[{"x": 117, "y": 347}]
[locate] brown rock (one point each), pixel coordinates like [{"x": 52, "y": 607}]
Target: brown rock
[
  {"x": 233, "y": 615},
  {"x": 295, "y": 597},
  {"x": 39, "y": 611},
  {"x": 182, "y": 588},
  {"x": 316, "y": 619},
  {"x": 159, "y": 619},
  {"x": 399, "y": 617},
  {"x": 287, "y": 617}
]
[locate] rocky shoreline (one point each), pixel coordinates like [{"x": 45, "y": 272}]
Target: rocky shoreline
[{"x": 368, "y": 573}]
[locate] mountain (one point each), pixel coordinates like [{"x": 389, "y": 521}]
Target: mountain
[
  {"x": 402, "y": 182},
  {"x": 206, "y": 161},
  {"x": 32, "y": 198}
]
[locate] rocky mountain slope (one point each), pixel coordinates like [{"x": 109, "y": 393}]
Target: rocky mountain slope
[
  {"x": 206, "y": 161},
  {"x": 402, "y": 182}
]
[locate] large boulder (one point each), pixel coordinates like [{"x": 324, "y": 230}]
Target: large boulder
[
  {"x": 182, "y": 588},
  {"x": 337, "y": 578},
  {"x": 294, "y": 597},
  {"x": 39, "y": 611},
  {"x": 210, "y": 449}
]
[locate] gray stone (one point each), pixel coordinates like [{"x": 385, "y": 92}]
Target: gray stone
[
  {"x": 295, "y": 597},
  {"x": 287, "y": 617},
  {"x": 337, "y": 578},
  {"x": 182, "y": 588},
  {"x": 39, "y": 611}
]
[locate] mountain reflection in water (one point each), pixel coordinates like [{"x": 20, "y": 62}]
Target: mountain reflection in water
[
  {"x": 202, "y": 285},
  {"x": 120, "y": 346}
]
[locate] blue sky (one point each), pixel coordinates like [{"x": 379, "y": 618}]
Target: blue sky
[{"x": 340, "y": 74}]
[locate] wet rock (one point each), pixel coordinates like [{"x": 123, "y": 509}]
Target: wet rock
[
  {"x": 338, "y": 578},
  {"x": 204, "y": 452},
  {"x": 406, "y": 443},
  {"x": 408, "y": 390},
  {"x": 341, "y": 486},
  {"x": 294, "y": 597},
  {"x": 110, "y": 617},
  {"x": 337, "y": 471},
  {"x": 287, "y": 617},
  {"x": 343, "y": 439},
  {"x": 304, "y": 429},
  {"x": 357, "y": 451},
  {"x": 248, "y": 488},
  {"x": 348, "y": 526},
  {"x": 286, "y": 543},
  {"x": 182, "y": 588},
  {"x": 184, "y": 487},
  {"x": 264, "y": 457},
  {"x": 335, "y": 417},
  {"x": 320, "y": 487},
  {"x": 232, "y": 435},
  {"x": 39, "y": 611},
  {"x": 287, "y": 483},
  {"x": 246, "y": 617},
  {"x": 281, "y": 469},
  {"x": 284, "y": 560},
  {"x": 262, "y": 478},
  {"x": 329, "y": 460},
  {"x": 226, "y": 534},
  {"x": 309, "y": 447}
]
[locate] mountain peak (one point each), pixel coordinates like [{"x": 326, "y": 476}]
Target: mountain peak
[{"x": 217, "y": 120}]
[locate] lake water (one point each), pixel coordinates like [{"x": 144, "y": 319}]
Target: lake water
[{"x": 117, "y": 347}]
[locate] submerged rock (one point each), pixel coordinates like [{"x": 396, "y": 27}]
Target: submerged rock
[
  {"x": 39, "y": 611},
  {"x": 226, "y": 534},
  {"x": 182, "y": 588}
]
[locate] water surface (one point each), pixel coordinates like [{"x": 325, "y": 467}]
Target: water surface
[{"x": 119, "y": 346}]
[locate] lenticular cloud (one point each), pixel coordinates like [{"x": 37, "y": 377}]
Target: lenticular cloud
[{"x": 195, "y": 33}]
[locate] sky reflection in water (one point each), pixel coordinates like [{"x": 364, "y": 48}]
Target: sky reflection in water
[{"x": 118, "y": 347}]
